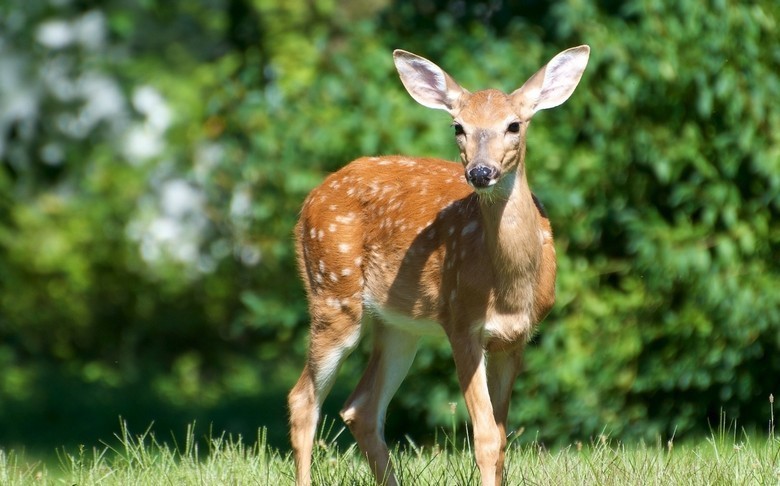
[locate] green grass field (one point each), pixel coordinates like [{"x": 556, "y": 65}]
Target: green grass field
[{"x": 727, "y": 457}]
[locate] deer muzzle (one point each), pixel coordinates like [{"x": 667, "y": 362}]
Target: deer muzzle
[{"x": 482, "y": 176}]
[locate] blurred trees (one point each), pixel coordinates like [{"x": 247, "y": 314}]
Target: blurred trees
[{"x": 153, "y": 157}]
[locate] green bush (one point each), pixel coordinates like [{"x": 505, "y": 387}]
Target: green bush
[{"x": 172, "y": 270}]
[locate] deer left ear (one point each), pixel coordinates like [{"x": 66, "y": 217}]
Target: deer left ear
[
  {"x": 428, "y": 84},
  {"x": 552, "y": 84}
]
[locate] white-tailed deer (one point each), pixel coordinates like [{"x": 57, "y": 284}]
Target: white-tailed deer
[{"x": 421, "y": 246}]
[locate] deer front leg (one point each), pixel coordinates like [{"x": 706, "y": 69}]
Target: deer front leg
[
  {"x": 470, "y": 363},
  {"x": 502, "y": 369}
]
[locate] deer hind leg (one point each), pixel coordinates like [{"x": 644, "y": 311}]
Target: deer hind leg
[
  {"x": 364, "y": 411},
  {"x": 502, "y": 369},
  {"x": 335, "y": 332}
]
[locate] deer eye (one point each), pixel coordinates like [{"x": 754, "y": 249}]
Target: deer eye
[
  {"x": 458, "y": 129},
  {"x": 513, "y": 127}
]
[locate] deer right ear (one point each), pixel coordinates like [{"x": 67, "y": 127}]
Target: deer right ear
[
  {"x": 554, "y": 83},
  {"x": 428, "y": 84}
]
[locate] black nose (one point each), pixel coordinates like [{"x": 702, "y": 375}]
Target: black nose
[{"x": 481, "y": 176}]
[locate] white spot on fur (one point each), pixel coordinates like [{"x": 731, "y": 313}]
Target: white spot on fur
[
  {"x": 469, "y": 228},
  {"x": 333, "y": 303},
  {"x": 344, "y": 247},
  {"x": 358, "y": 261},
  {"x": 346, "y": 272},
  {"x": 332, "y": 228},
  {"x": 350, "y": 217}
]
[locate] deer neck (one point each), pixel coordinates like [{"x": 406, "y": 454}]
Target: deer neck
[{"x": 511, "y": 239}]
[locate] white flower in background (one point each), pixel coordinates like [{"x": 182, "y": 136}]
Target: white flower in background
[
  {"x": 103, "y": 99},
  {"x": 250, "y": 255},
  {"x": 240, "y": 204},
  {"x": 180, "y": 200},
  {"x": 90, "y": 30},
  {"x": 141, "y": 143},
  {"x": 19, "y": 99},
  {"x": 207, "y": 157},
  {"x": 150, "y": 103},
  {"x": 55, "y": 34},
  {"x": 145, "y": 139},
  {"x": 55, "y": 73},
  {"x": 92, "y": 98},
  {"x": 174, "y": 229},
  {"x": 52, "y": 154}
]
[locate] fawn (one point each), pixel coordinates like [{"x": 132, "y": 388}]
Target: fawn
[{"x": 420, "y": 246}]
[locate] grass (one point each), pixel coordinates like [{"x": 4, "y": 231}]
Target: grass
[{"x": 727, "y": 457}]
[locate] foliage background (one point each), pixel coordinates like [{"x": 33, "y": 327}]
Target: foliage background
[{"x": 154, "y": 154}]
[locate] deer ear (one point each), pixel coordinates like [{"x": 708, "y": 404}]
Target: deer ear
[
  {"x": 428, "y": 84},
  {"x": 554, "y": 83}
]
